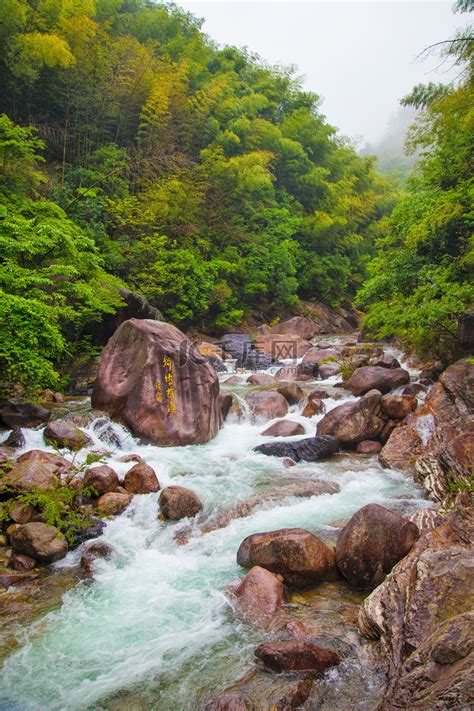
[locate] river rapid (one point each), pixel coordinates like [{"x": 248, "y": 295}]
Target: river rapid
[{"x": 156, "y": 628}]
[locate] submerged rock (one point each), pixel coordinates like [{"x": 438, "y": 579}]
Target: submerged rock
[
  {"x": 152, "y": 378},
  {"x": 177, "y": 502},
  {"x": 371, "y": 543},
  {"x": 92, "y": 551},
  {"x": 296, "y": 656},
  {"x": 300, "y": 557},
  {"x": 309, "y": 449},
  {"x": 40, "y": 541}
]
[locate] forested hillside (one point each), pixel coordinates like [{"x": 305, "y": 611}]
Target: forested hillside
[{"x": 133, "y": 150}]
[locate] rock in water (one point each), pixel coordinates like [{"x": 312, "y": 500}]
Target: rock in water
[
  {"x": 371, "y": 543},
  {"x": 63, "y": 433},
  {"x": 374, "y": 377},
  {"x": 259, "y": 595},
  {"x": 354, "y": 421},
  {"x": 296, "y": 656},
  {"x": 177, "y": 502},
  {"x": 300, "y": 557},
  {"x": 152, "y": 378},
  {"x": 309, "y": 449}
]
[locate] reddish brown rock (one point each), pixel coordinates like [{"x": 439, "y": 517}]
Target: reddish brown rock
[
  {"x": 313, "y": 407},
  {"x": 288, "y": 462},
  {"x": 375, "y": 378},
  {"x": 319, "y": 394},
  {"x": 233, "y": 380},
  {"x": 414, "y": 389},
  {"x": 387, "y": 361},
  {"x": 63, "y": 433},
  {"x": 21, "y": 563},
  {"x": 284, "y": 428},
  {"x": 131, "y": 458},
  {"x": 20, "y": 512},
  {"x": 299, "y": 556},
  {"x": 398, "y": 407},
  {"x": 39, "y": 541},
  {"x": 371, "y": 543},
  {"x": 92, "y": 551},
  {"x": 292, "y": 393},
  {"x": 225, "y": 404},
  {"x": 177, "y": 502},
  {"x": 297, "y": 326},
  {"x": 141, "y": 479},
  {"x": 103, "y": 479},
  {"x": 36, "y": 469},
  {"x": 248, "y": 697},
  {"x": 22, "y": 414},
  {"x": 153, "y": 379},
  {"x": 401, "y": 450},
  {"x": 354, "y": 421},
  {"x": 368, "y": 446},
  {"x": 328, "y": 370},
  {"x": 113, "y": 503},
  {"x": 422, "y": 618},
  {"x": 260, "y": 595},
  {"x": 387, "y": 430},
  {"x": 296, "y": 656},
  {"x": 266, "y": 404},
  {"x": 312, "y": 359},
  {"x": 261, "y": 379}
]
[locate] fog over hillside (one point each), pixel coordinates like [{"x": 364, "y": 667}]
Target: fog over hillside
[{"x": 391, "y": 149}]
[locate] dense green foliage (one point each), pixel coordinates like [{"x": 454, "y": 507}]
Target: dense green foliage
[
  {"x": 205, "y": 180},
  {"x": 422, "y": 277}
]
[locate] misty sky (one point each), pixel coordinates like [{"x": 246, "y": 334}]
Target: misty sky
[{"x": 358, "y": 56}]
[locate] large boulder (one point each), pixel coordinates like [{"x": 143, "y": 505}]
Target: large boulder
[
  {"x": 371, "y": 543},
  {"x": 297, "y": 326},
  {"x": 296, "y": 655},
  {"x": 372, "y": 377},
  {"x": 260, "y": 594},
  {"x": 310, "y": 449},
  {"x": 152, "y": 379},
  {"x": 177, "y": 502},
  {"x": 22, "y": 414},
  {"x": 102, "y": 479},
  {"x": 354, "y": 421},
  {"x": 422, "y": 615},
  {"x": 65, "y": 434},
  {"x": 36, "y": 470},
  {"x": 300, "y": 557},
  {"x": 401, "y": 450},
  {"x": 40, "y": 541},
  {"x": 141, "y": 479},
  {"x": 284, "y": 428},
  {"x": 266, "y": 404}
]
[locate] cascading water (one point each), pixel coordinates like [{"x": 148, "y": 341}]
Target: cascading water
[{"x": 155, "y": 629}]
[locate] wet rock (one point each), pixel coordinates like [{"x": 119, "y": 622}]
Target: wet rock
[
  {"x": 104, "y": 430},
  {"x": 260, "y": 595},
  {"x": 225, "y": 403},
  {"x": 368, "y": 446},
  {"x": 15, "y": 414},
  {"x": 36, "y": 469},
  {"x": 401, "y": 450},
  {"x": 141, "y": 479},
  {"x": 328, "y": 370},
  {"x": 39, "y": 541},
  {"x": 113, "y": 503},
  {"x": 376, "y": 378},
  {"x": 414, "y": 389},
  {"x": 300, "y": 557},
  {"x": 296, "y": 656},
  {"x": 62, "y": 433},
  {"x": 92, "y": 551},
  {"x": 398, "y": 407},
  {"x": 22, "y": 563},
  {"x": 8, "y": 579},
  {"x": 292, "y": 393},
  {"x": 20, "y": 512},
  {"x": 371, "y": 543},
  {"x": 310, "y": 449},
  {"x": 233, "y": 380},
  {"x": 103, "y": 479},
  {"x": 177, "y": 502},
  {"x": 261, "y": 379},
  {"x": 250, "y": 697},
  {"x": 131, "y": 458},
  {"x": 288, "y": 462},
  {"x": 319, "y": 394},
  {"x": 266, "y": 404},
  {"x": 284, "y": 428},
  {"x": 15, "y": 439},
  {"x": 356, "y": 421},
  {"x": 422, "y": 617},
  {"x": 313, "y": 406},
  {"x": 152, "y": 379},
  {"x": 93, "y": 529},
  {"x": 387, "y": 361}
]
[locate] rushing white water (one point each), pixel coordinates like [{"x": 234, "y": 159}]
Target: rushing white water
[{"x": 156, "y": 619}]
